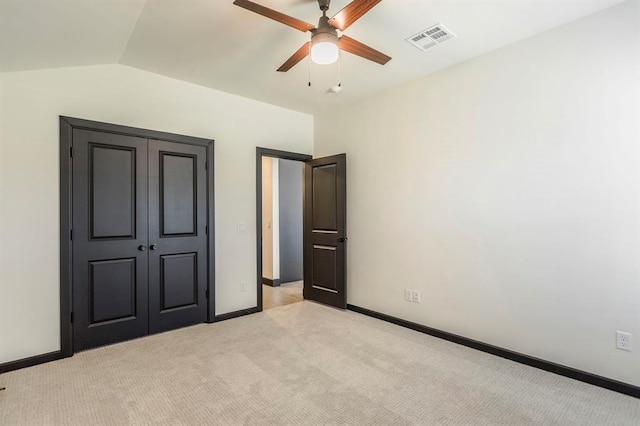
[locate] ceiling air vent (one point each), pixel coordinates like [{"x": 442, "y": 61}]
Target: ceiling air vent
[{"x": 431, "y": 37}]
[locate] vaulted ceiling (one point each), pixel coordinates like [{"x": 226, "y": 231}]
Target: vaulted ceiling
[{"x": 216, "y": 44}]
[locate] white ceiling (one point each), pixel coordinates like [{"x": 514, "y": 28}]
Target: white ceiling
[{"x": 216, "y": 44}]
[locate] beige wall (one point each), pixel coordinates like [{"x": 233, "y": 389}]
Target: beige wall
[
  {"x": 507, "y": 190},
  {"x": 30, "y": 104},
  {"x": 270, "y": 219},
  {"x": 267, "y": 217},
  {"x": 275, "y": 218}
]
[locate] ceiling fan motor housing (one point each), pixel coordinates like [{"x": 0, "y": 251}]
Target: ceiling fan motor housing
[
  {"x": 324, "y": 27},
  {"x": 325, "y": 32},
  {"x": 324, "y": 43}
]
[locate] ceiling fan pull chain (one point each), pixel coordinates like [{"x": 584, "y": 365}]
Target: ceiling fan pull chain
[
  {"x": 309, "y": 63},
  {"x": 339, "y": 68}
]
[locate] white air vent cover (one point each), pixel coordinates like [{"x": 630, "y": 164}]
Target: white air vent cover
[{"x": 431, "y": 37}]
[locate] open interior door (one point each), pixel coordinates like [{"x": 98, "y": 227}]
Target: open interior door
[{"x": 325, "y": 219}]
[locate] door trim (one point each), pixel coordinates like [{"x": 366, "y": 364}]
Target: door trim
[
  {"x": 67, "y": 125},
  {"x": 273, "y": 153}
]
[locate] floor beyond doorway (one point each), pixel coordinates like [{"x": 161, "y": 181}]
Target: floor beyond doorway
[{"x": 285, "y": 294}]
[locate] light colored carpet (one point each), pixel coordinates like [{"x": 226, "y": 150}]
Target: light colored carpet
[{"x": 300, "y": 364}]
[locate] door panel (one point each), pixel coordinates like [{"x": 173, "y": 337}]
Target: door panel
[
  {"x": 177, "y": 237},
  {"x": 324, "y": 269},
  {"x": 178, "y": 190},
  {"x": 324, "y": 198},
  {"x": 178, "y": 281},
  {"x": 109, "y": 229},
  {"x": 112, "y": 290},
  {"x": 112, "y": 191},
  {"x": 325, "y": 231}
]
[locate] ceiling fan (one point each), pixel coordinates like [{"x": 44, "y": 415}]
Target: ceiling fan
[{"x": 325, "y": 44}]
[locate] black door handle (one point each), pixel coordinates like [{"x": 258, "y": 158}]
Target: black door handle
[
  {"x": 153, "y": 246},
  {"x": 342, "y": 239},
  {"x": 142, "y": 247}
]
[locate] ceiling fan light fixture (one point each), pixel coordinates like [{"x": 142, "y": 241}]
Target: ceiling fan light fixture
[{"x": 324, "y": 48}]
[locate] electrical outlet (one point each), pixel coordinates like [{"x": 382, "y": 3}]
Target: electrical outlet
[
  {"x": 243, "y": 286},
  {"x": 408, "y": 295},
  {"x": 416, "y": 296},
  {"x": 623, "y": 340}
]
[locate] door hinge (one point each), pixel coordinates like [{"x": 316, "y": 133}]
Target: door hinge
[
  {"x": 71, "y": 317},
  {"x": 206, "y": 165},
  {"x": 71, "y": 234},
  {"x": 206, "y": 229},
  {"x": 206, "y": 294},
  {"x": 71, "y": 151}
]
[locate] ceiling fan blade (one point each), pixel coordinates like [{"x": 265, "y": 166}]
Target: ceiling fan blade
[
  {"x": 275, "y": 15},
  {"x": 355, "y": 47},
  {"x": 351, "y": 13},
  {"x": 296, "y": 57}
]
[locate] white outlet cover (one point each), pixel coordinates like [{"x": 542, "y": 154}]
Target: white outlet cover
[
  {"x": 243, "y": 286},
  {"x": 242, "y": 227},
  {"x": 408, "y": 295},
  {"x": 623, "y": 340},
  {"x": 416, "y": 296}
]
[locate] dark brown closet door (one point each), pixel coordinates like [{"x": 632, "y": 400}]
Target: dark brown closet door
[
  {"x": 109, "y": 238},
  {"x": 177, "y": 235}
]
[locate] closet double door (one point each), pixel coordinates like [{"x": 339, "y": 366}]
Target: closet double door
[{"x": 139, "y": 237}]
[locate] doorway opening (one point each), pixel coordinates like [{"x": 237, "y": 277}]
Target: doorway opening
[
  {"x": 280, "y": 211},
  {"x": 324, "y": 227}
]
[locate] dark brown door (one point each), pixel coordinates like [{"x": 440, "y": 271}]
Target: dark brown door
[
  {"x": 109, "y": 238},
  {"x": 325, "y": 217},
  {"x": 177, "y": 235}
]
